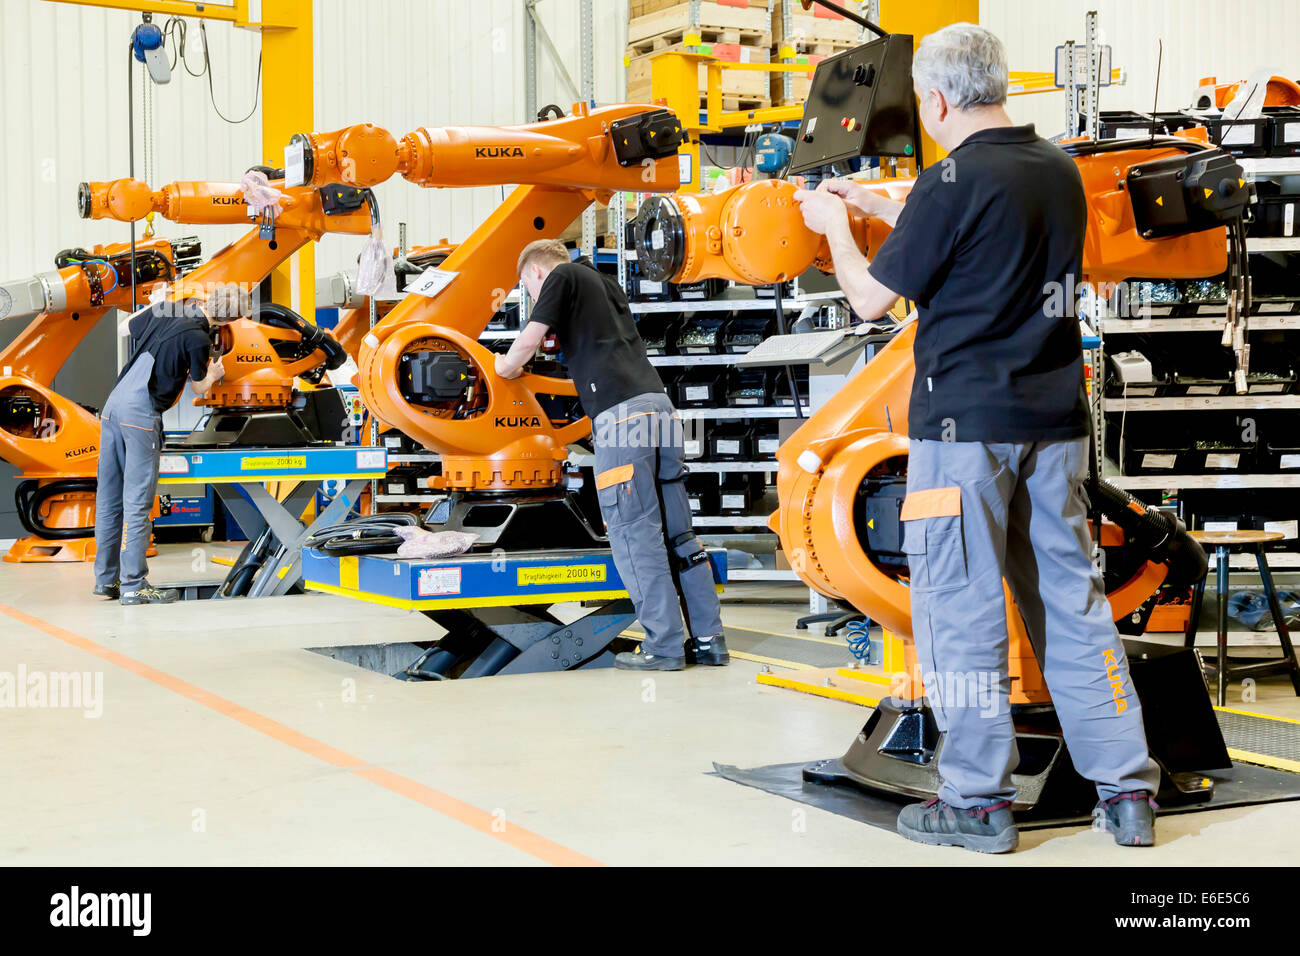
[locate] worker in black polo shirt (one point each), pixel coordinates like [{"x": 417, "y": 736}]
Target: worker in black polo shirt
[
  {"x": 988, "y": 240},
  {"x": 169, "y": 344},
  {"x": 638, "y": 441}
]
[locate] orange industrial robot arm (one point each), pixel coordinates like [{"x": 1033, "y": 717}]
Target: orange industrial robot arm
[
  {"x": 422, "y": 369},
  {"x": 262, "y": 358},
  {"x": 862, "y": 434},
  {"x": 41, "y": 432}
]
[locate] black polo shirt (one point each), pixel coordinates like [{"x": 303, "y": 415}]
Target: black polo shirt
[
  {"x": 989, "y": 246},
  {"x": 589, "y": 315},
  {"x": 180, "y": 347}
]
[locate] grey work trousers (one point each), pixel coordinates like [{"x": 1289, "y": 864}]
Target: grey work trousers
[
  {"x": 639, "y": 473},
  {"x": 1019, "y": 512},
  {"x": 130, "y": 441}
]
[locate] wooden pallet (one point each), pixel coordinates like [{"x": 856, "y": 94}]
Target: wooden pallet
[
  {"x": 677, "y": 37},
  {"x": 733, "y": 103},
  {"x": 730, "y": 101},
  {"x": 717, "y": 23},
  {"x": 641, "y": 8},
  {"x": 808, "y": 31}
]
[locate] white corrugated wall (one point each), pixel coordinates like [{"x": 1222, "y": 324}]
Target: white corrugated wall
[
  {"x": 63, "y": 93},
  {"x": 405, "y": 63},
  {"x": 1201, "y": 38},
  {"x": 397, "y": 63}
]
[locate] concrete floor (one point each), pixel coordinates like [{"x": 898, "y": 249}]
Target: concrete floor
[{"x": 222, "y": 741}]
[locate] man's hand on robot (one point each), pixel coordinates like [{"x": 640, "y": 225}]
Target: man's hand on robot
[
  {"x": 820, "y": 209},
  {"x": 216, "y": 370},
  {"x": 853, "y": 194}
]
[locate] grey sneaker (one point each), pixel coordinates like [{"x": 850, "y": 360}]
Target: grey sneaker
[
  {"x": 1129, "y": 817},
  {"x": 710, "y": 650},
  {"x": 628, "y": 661},
  {"x": 110, "y": 591},
  {"x": 989, "y": 829},
  {"x": 148, "y": 594}
]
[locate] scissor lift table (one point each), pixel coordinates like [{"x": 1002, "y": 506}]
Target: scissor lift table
[
  {"x": 238, "y": 475},
  {"x": 495, "y": 607}
]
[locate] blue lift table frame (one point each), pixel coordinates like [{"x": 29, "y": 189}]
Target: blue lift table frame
[
  {"x": 238, "y": 476},
  {"x": 498, "y": 604}
]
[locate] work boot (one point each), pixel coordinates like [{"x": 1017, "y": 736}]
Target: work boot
[
  {"x": 989, "y": 829},
  {"x": 148, "y": 594},
  {"x": 1129, "y": 817},
  {"x": 110, "y": 591},
  {"x": 710, "y": 650},
  {"x": 629, "y": 661}
]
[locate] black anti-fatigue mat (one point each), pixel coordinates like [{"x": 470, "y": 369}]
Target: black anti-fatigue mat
[{"x": 1243, "y": 785}]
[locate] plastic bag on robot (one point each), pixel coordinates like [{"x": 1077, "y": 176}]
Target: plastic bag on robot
[
  {"x": 421, "y": 543},
  {"x": 259, "y": 193},
  {"x": 373, "y": 265}
]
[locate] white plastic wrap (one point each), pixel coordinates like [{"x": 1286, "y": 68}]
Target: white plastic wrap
[
  {"x": 259, "y": 193},
  {"x": 374, "y": 265},
  {"x": 421, "y": 543}
]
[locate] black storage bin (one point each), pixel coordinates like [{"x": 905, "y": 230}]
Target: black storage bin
[
  {"x": 1147, "y": 448},
  {"x": 780, "y": 387},
  {"x": 731, "y": 442},
  {"x": 1240, "y": 137},
  {"x": 1219, "y": 444},
  {"x": 769, "y": 291},
  {"x": 766, "y": 441},
  {"x": 740, "y": 492},
  {"x": 1273, "y": 371},
  {"x": 1204, "y": 372},
  {"x": 700, "y": 387},
  {"x": 1275, "y": 217},
  {"x": 398, "y": 443},
  {"x": 641, "y": 289},
  {"x": 1285, "y": 138},
  {"x": 747, "y": 386},
  {"x": 743, "y": 332},
  {"x": 1127, "y": 124},
  {"x": 700, "y": 334},
  {"x": 505, "y": 318},
  {"x": 704, "y": 290},
  {"x": 399, "y": 484},
  {"x": 658, "y": 330},
  {"x": 703, "y": 492},
  {"x": 1279, "y": 445}
]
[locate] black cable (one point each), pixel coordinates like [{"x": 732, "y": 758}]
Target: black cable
[
  {"x": 207, "y": 66},
  {"x": 371, "y": 534},
  {"x": 1155, "y": 100},
  {"x": 30, "y": 496},
  {"x": 789, "y": 369}
]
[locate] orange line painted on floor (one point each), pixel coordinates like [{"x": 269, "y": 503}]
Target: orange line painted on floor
[{"x": 486, "y": 823}]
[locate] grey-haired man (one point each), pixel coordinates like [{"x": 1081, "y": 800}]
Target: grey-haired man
[{"x": 998, "y": 425}]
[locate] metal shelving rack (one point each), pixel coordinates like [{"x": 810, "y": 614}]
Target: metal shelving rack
[{"x": 1267, "y": 315}]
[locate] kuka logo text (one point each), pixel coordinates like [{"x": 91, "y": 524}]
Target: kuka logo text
[{"x": 1116, "y": 680}]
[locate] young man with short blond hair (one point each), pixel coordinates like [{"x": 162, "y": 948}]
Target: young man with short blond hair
[{"x": 638, "y": 440}]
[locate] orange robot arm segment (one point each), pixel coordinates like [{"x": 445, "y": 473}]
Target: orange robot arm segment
[
  {"x": 491, "y": 433},
  {"x": 751, "y": 233}
]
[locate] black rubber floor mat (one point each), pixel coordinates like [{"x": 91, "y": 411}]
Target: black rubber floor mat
[{"x": 1243, "y": 785}]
